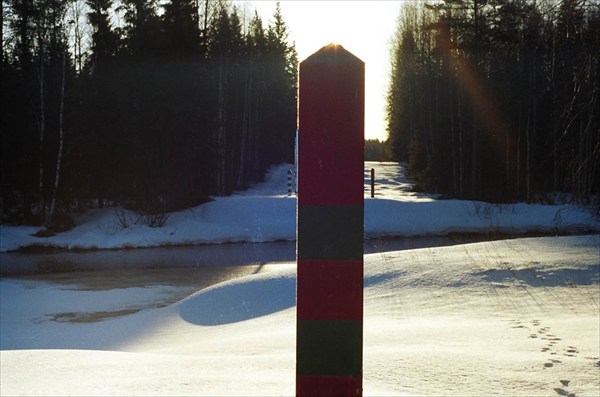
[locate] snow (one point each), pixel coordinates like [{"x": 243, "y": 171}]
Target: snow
[
  {"x": 515, "y": 317},
  {"x": 265, "y": 213}
]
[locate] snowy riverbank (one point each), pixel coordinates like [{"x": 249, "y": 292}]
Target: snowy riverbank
[{"x": 266, "y": 213}]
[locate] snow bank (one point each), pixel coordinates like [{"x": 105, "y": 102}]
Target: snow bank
[
  {"x": 385, "y": 218},
  {"x": 265, "y": 213}
]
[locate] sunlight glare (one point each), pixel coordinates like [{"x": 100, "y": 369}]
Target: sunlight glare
[{"x": 365, "y": 28}]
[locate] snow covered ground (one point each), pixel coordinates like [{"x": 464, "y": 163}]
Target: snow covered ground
[
  {"x": 512, "y": 317},
  {"x": 515, "y": 317}
]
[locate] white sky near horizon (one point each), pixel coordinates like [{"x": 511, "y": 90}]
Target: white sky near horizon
[{"x": 365, "y": 28}]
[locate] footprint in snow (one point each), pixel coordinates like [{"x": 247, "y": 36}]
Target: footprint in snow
[
  {"x": 563, "y": 392},
  {"x": 517, "y": 324},
  {"x": 572, "y": 351}
]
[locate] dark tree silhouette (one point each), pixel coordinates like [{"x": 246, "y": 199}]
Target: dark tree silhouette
[
  {"x": 498, "y": 99},
  {"x": 165, "y": 108}
]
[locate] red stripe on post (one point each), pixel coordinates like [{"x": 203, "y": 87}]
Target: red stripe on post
[
  {"x": 332, "y": 290},
  {"x": 316, "y": 385},
  {"x": 331, "y": 133}
]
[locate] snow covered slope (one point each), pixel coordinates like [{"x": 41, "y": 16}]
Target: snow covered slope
[{"x": 514, "y": 317}]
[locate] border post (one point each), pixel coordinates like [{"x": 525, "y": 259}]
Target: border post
[{"x": 329, "y": 344}]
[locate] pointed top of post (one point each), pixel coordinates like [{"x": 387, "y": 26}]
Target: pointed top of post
[{"x": 333, "y": 53}]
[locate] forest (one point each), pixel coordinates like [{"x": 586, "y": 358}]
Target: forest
[
  {"x": 152, "y": 106},
  {"x": 498, "y": 99}
]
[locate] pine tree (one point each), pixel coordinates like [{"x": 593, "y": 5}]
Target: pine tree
[
  {"x": 282, "y": 96},
  {"x": 105, "y": 41},
  {"x": 180, "y": 27}
]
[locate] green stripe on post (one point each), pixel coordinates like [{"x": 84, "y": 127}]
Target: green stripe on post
[
  {"x": 330, "y": 232},
  {"x": 329, "y": 348}
]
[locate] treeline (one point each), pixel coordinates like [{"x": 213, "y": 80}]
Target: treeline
[
  {"x": 376, "y": 150},
  {"x": 152, "y": 106},
  {"x": 498, "y": 99}
]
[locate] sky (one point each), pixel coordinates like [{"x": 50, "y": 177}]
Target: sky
[{"x": 365, "y": 28}]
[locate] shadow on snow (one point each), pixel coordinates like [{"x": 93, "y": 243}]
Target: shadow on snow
[
  {"x": 240, "y": 301},
  {"x": 235, "y": 302},
  {"x": 538, "y": 277}
]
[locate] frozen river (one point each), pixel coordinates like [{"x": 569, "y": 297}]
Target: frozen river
[
  {"x": 186, "y": 268},
  {"x": 164, "y": 260}
]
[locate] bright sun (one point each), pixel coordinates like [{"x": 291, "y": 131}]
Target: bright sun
[{"x": 364, "y": 28}]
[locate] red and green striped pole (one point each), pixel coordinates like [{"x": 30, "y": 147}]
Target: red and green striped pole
[{"x": 329, "y": 342}]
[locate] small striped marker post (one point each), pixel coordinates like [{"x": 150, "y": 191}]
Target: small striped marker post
[
  {"x": 289, "y": 182},
  {"x": 372, "y": 182},
  {"x": 329, "y": 339}
]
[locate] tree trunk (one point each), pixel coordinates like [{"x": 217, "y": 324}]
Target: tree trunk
[
  {"x": 246, "y": 117},
  {"x": 475, "y": 128},
  {"x": 555, "y": 125},
  {"x": 519, "y": 143},
  {"x": 42, "y": 126},
  {"x": 60, "y": 140},
  {"x": 455, "y": 161},
  {"x": 528, "y": 158},
  {"x": 221, "y": 120},
  {"x": 461, "y": 154}
]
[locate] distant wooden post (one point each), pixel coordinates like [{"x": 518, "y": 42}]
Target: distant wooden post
[
  {"x": 372, "y": 182},
  {"x": 329, "y": 344}
]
